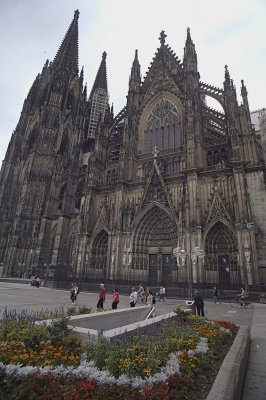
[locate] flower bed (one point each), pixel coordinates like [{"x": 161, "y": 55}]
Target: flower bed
[{"x": 167, "y": 360}]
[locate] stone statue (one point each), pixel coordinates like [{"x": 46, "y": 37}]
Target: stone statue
[
  {"x": 113, "y": 258},
  {"x": 247, "y": 256},
  {"x": 194, "y": 259},
  {"x": 124, "y": 260}
]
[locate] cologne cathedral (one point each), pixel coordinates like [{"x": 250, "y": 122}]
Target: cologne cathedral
[{"x": 168, "y": 191}]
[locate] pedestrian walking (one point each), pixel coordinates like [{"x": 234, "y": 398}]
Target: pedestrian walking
[
  {"x": 77, "y": 290},
  {"x": 199, "y": 303},
  {"x": 150, "y": 298},
  {"x": 215, "y": 294},
  {"x": 133, "y": 298},
  {"x": 141, "y": 293},
  {"x": 242, "y": 297},
  {"x": 102, "y": 294},
  {"x": 72, "y": 294},
  {"x": 115, "y": 299},
  {"x": 162, "y": 293}
]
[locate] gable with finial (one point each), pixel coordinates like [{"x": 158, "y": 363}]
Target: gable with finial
[
  {"x": 155, "y": 190},
  {"x": 218, "y": 210},
  {"x": 164, "y": 67},
  {"x": 102, "y": 221}
]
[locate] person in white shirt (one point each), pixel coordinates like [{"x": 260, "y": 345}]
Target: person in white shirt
[
  {"x": 162, "y": 293},
  {"x": 133, "y": 298}
]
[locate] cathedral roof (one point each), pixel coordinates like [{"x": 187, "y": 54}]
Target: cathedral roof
[{"x": 67, "y": 54}]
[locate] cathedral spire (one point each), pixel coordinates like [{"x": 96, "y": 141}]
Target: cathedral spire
[
  {"x": 227, "y": 80},
  {"x": 98, "y": 98},
  {"x": 244, "y": 95},
  {"x": 134, "y": 84},
  {"x": 81, "y": 77},
  {"x": 229, "y": 85},
  {"x": 67, "y": 54},
  {"x": 190, "y": 55},
  {"x": 101, "y": 77},
  {"x": 134, "y": 80}
]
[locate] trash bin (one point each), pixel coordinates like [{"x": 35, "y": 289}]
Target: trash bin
[{"x": 190, "y": 306}]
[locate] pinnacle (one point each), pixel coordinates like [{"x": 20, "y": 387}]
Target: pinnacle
[{"x": 67, "y": 55}]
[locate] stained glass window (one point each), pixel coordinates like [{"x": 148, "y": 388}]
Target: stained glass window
[{"x": 163, "y": 128}]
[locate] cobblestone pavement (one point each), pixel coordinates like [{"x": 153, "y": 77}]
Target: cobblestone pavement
[{"x": 22, "y": 296}]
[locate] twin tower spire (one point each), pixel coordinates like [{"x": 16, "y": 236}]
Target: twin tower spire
[
  {"x": 67, "y": 59},
  {"x": 67, "y": 55}
]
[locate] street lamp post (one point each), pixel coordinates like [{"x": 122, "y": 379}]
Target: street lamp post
[
  {"x": 19, "y": 269},
  {"x": 181, "y": 255},
  {"x": 195, "y": 254}
]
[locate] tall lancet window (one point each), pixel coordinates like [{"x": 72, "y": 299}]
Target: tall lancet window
[{"x": 163, "y": 128}]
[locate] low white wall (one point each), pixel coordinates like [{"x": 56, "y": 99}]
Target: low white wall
[
  {"x": 94, "y": 334},
  {"x": 229, "y": 381},
  {"x": 106, "y": 320}
]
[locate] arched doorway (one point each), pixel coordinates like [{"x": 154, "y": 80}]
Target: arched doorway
[
  {"x": 221, "y": 257},
  {"x": 99, "y": 252},
  {"x": 154, "y": 240}
]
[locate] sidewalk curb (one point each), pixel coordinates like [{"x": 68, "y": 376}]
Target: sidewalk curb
[{"x": 229, "y": 381}]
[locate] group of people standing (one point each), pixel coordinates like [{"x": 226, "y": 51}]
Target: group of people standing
[
  {"x": 102, "y": 295},
  {"x": 146, "y": 296}
]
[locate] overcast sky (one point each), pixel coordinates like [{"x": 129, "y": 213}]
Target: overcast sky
[{"x": 231, "y": 32}]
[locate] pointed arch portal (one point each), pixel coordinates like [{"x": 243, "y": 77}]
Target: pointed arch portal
[
  {"x": 99, "y": 251},
  {"x": 221, "y": 256},
  {"x": 154, "y": 240}
]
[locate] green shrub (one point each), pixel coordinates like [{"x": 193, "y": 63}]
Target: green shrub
[
  {"x": 58, "y": 329},
  {"x": 35, "y": 336},
  {"x": 84, "y": 310},
  {"x": 97, "y": 351}
]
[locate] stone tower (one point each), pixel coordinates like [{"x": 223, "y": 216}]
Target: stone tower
[
  {"x": 39, "y": 178},
  {"x": 97, "y": 197}
]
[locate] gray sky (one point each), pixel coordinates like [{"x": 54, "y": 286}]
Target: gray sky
[{"x": 224, "y": 32}]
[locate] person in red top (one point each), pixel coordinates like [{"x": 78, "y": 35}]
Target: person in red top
[
  {"x": 115, "y": 299},
  {"x": 102, "y": 294}
]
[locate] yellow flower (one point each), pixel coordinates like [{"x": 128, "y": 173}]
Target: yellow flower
[{"x": 147, "y": 371}]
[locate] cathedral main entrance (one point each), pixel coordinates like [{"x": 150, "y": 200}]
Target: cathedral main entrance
[
  {"x": 221, "y": 265},
  {"x": 167, "y": 269},
  {"x": 99, "y": 253},
  {"x": 160, "y": 269},
  {"x": 224, "y": 270},
  {"x": 154, "y": 240}
]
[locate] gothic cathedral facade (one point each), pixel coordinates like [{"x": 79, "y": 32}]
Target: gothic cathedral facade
[{"x": 166, "y": 191}]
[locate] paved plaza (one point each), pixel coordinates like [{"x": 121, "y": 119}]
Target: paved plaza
[{"x": 21, "y": 296}]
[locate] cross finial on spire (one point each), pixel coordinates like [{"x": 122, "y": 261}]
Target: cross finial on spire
[
  {"x": 227, "y": 76},
  {"x": 76, "y": 14},
  {"x": 162, "y": 37},
  {"x": 104, "y": 55}
]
